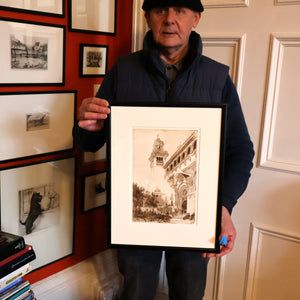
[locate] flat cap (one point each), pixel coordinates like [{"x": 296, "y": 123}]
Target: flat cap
[{"x": 195, "y": 5}]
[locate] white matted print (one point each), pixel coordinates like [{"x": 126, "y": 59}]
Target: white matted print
[
  {"x": 94, "y": 191},
  {"x": 55, "y": 7},
  {"x": 36, "y": 123},
  {"x": 89, "y": 157},
  {"x": 94, "y": 16},
  {"x": 166, "y": 176},
  {"x": 31, "y": 53},
  {"x": 37, "y": 202},
  {"x": 93, "y": 60}
]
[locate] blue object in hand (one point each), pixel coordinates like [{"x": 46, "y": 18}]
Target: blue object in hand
[{"x": 223, "y": 241}]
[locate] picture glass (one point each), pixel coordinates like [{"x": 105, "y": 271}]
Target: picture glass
[
  {"x": 94, "y": 60},
  {"x": 31, "y": 53},
  {"x": 154, "y": 198},
  {"x": 93, "y": 15},
  {"x": 45, "y": 6},
  {"x": 95, "y": 191},
  {"x": 37, "y": 123},
  {"x": 165, "y": 176},
  {"x": 37, "y": 202}
]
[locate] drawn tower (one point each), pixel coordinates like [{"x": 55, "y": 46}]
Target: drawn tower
[{"x": 159, "y": 186}]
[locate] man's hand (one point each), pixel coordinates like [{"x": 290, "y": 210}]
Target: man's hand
[
  {"x": 228, "y": 230},
  {"x": 92, "y": 113}
]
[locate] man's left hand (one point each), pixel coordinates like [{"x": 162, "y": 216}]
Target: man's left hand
[{"x": 228, "y": 230}]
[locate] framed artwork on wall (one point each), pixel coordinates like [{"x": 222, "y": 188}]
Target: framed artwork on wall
[
  {"x": 94, "y": 191},
  {"x": 31, "y": 53},
  {"x": 37, "y": 202},
  {"x": 93, "y": 16},
  {"x": 166, "y": 175},
  {"x": 55, "y": 8},
  {"x": 36, "y": 123},
  {"x": 93, "y": 60}
]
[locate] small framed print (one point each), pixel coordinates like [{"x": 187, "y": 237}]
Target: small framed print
[
  {"x": 94, "y": 189},
  {"x": 55, "y": 8},
  {"x": 31, "y": 53},
  {"x": 93, "y": 16},
  {"x": 37, "y": 202},
  {"x": 91, "y": 157},
  {"x": 37, "y": 122},
  {"x": 166, "y": 176},
  {"x": 93, "y": 60}
]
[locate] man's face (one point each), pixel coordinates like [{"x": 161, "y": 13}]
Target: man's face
[{"x": 172, "y": 26}]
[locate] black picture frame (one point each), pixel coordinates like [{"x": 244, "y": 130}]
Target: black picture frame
[
  {"x": 44, "y": 120},
  {"x": 53, "y": 231},
  {"x": 166, "y": 175},
  {"x": 82, "y": 17},
  {"x": 93, "y": 60},
  {"x": 43, "y": 11},
  {"x": 32, "y": 53},
  {"x": 94, "y": 192}
]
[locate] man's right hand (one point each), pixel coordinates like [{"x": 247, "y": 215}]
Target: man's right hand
[{"x": 92, "y": 113}]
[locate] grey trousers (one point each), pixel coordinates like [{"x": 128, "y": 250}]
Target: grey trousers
[{"x": 186, "y": 273}]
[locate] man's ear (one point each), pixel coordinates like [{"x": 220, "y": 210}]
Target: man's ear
[
  {"x": 197, "y": 17},
  {"x": 147, "y": 17}
]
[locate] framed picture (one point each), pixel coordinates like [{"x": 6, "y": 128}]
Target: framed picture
[
  {"x": 166, "y": 176},
  {"x": 93, "y": 16},
  {"x": 36, "y": 123},
  {"x": 94, "y": 188},
  {"x": 93, "y": 60},
  {"x": 55, "y": 8},
  {"x": 90, "y": 157},
  {"x": 37, "y": 202},
  {"x": 31, "y": 53}
]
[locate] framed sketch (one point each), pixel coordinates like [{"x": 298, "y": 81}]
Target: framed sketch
[
  {"x": 166, "y": 176},
  {"x": 31, "y": 53},
  {"x": 94, "y": 188},
  {"x": 36, "y": 123},
  {"x": 37, "y": 202},
  {"x": 93, "y": 60},
  {"x": 55, "y": 8},
  {"x": 93, "y": 16},
  {"x": 90, "y": 157}
]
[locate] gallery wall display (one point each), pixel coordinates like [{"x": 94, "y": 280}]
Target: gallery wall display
[
  {"x": 93, "y": 60},
  {"x": 166, "y": 175},
  {"x": 54, "y": 8},
  {"x": 94, "y": 191},
  {"x": 93, "y": 16},
  {"x": 37, "y": 202},
  {"x": 31, "y": 53},
  {"x": 36, "y": 123}
]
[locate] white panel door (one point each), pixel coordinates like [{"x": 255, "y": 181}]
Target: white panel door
[{"x": 260, "y": 41}]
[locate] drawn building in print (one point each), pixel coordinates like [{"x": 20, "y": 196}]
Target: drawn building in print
[
  {"x": 164, "y": 181},
  {"x": 181, "y": 173},
  {"x": 157, "y": 160}
]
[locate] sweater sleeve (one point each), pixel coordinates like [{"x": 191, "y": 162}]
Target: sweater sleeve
[{"x": 239, "y": 151}]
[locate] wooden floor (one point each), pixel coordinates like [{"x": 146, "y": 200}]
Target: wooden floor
[{"x": 161, "y": 296}]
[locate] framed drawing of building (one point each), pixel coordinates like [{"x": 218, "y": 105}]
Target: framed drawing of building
[
  {"x": 31, "y": 53},
  {"x": 166, "y": 176}
]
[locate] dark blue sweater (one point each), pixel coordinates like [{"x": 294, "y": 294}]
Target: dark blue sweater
[{"x": 140, "y": 77}]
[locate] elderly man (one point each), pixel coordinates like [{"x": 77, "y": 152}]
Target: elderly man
[{"x": 172, "y": 69}]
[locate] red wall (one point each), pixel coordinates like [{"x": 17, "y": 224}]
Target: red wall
[{"x": 90, "y": 228}]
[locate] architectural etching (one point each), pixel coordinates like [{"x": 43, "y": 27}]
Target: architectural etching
[{"x": 165, "y": 175}]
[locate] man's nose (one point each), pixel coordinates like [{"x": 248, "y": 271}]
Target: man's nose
[{"x": 170, "y": 16}]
